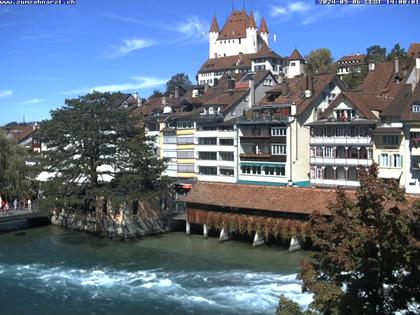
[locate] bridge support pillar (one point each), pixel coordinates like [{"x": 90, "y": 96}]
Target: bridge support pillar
[
  {"x": 224, "y": 235},
  {"x": 295, "y": 244},
  {"x": 258, "y": 240},
  {"x": 187, "y": 227},
  {"x": 205, "y": 231}
]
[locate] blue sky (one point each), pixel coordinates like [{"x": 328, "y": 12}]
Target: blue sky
[{"x": 50, "y": 53}]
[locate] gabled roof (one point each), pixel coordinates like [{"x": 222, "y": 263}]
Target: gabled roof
[
  {"x": 214, "y": 26},
  {"x": 263, "y": 26},
  {"x": 296, "y": 55},
  {"x": 18, "y": 132},
  {"x": 361, "y": 102},
  {"x": 398, "y": 103},
  {"x": 414, "y": 50},
  {"x": 292, "y": 91},
  {"x": 407, "y": 113},
  {"x": 251, "y": 21}
]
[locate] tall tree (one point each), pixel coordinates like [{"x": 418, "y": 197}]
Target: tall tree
[
  {"x": 96, "y": 150},
  {"x": 369, "y": 252},
  {"x": 376, "y": 54},
  {"x": 397, "y": 53},
  {"x": 355, "y": 79},
  {"x": 320, "y": 61},
  {"x": 13, "y": 170},
  {"x": 177, "y": 79},
  {"x": 156, "y": 93}
]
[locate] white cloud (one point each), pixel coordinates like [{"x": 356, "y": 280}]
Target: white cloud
[
  {"x": 128, "y": 46},
  {"x": 193, "y": 29},
  {"x": 276, "y": 11},
  {"x": 299, "y": 7},
  {"x": 32, "y": 101},
  {"x": 6, "y": 93},
  {"x": 140, "y": 83}
]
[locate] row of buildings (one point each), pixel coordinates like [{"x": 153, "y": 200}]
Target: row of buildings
[{"x": 275, "y": 125}]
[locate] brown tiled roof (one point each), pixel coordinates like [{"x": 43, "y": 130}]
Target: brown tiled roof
[
  {"x": 414, "y": 50},
  {"x": 278, "y": 199},
  {"x": 363, "y": 103},
  {"x": 292, "y": 91},
  {"x": 296, "y": 55},
  {"x": 251, "y": 21},
  {"x": 408, "y": 114},
  {"x": 18, "y": 132},
  {"x": 356, "y": 59},
  {"x": 382, "y": 81},
  {"x": 153, "y": 104},
  {"x": 235, "y": 26},
  {"x": 263, "y": 26},
  {"x": 398, "y": 103},
  {"x": 214, "y": 26},
  {"x": 241, "y": 61}
]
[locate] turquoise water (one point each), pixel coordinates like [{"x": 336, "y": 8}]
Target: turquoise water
[{"x": 51, "y": 270}]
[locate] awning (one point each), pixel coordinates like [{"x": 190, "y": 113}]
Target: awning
[{"x": 414, "y": 129}]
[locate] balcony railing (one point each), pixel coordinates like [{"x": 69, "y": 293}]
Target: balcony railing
[
  {"x": 250, "y": 119},
  {"x": 262, "y": 157}
]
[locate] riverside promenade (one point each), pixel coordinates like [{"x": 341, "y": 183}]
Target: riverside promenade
[{"x": 22, "y": 218}]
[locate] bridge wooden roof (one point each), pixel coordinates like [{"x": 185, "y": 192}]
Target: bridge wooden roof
[{"x": 295, "y": 200}]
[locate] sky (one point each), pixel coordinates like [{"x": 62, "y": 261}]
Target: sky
[{"x": 51, "y": 53}]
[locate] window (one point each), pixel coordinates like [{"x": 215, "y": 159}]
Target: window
[
  {"x": 415, "y": 108},
  {"x": 278, "y": 149},
  {"x": 185, "y": 124},
  {"x": 211, "y": 111},
  {"x": 169, "y": 139},
  {"x": 185, "y": 140},
  {"x": 207, "y": 170},
  {"x": 248, "y": 169},
  {"x": 227, "y": 172},
  {"x": 275, "y": 131},
  {"x": 319, "y": 173},
  {"x": 272, "y": 171},
  {"x": 329, "y": 152},
  {"x": 319, "y": 152},
  {"x": 185, "y": 168},
  {"x": 207, "y": 155},
  {"x": 226, "y": 141},
  {"x": 396, "y": 161},
  {"x": 383, "y": 160},
  {"x": 169, "y": 154},
  {"x": 226, "y": 156},
  {"x": 185, "y": 154},
  {"x": 292, "y": 64},
  {"x": 390, "y": 140},
  {"x": 207, "y": 141},
  {"x": 268, "y": 82}
]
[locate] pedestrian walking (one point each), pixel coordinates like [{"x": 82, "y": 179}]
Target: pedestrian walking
[
  {"x": 29, "y": 204},
  {"x": 15, "y": 203}
]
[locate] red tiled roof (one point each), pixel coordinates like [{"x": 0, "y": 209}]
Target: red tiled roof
[
  {"x": 18, "y": 132},
  {"x": 214, "y": 26},
  {"x": 278, "y": 199},
  {"x": 296, "y": 55},
  {"x": 408, "y": 114},
  {"x": 235, "y": 26},
  {"x": 263, "y": 26},
  {"x": 414, "y": 50},
  {"x": 357, "y": 59},
  {"x": 251, "y": 21},
  {"x": 292, "y": 91}
]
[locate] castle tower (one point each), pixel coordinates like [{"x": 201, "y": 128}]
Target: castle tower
[
  {"x": 251, "y": 35},
  {"x": 213, "y": 36},
  {"x": 264, "y": 31},
  {"x": 296, "y": 64}
]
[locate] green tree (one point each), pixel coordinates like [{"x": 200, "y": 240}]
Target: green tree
[
  {"x": 320, "y": 61},
  {"x": 14, "y": 174},
  {"x": 177, "y": 79},
  {"x": 368, "y": 255},
  {"x": 376, "y": 54},
  {"x": 355, "y": 79},
  {"x": 397, "y": 53},
  {"x": 96, "y": 150},
  {"x": 288, "y": 307},
  {"x": 156, "y": 93}
]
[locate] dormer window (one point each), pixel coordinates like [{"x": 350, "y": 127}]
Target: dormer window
[
  {"x": 415, "y": 108},
  {"x": 211, "y": 111}
]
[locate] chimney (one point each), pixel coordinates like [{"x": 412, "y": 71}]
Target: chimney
[
  {"x": 206, "y": 87},
  {"x": 136, "y": 95},
  {"x": 308, "y": 92},
  {"x": 251, "y": 98},
  {"x": 397, "y": 65},
  {"x": 177, "y": 92},
  {"x": 171, "y": 95},
  {"x": 418, "y": 69},
  {"x": 372, "y": 66},
  {"x": 163, "y": 100},
  {"x": 231, "y": 86}
]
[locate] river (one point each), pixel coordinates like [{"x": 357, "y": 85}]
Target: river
[{"x": 51, "y": 270}]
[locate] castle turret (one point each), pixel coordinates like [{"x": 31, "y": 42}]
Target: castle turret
[
  {"x": 213, "y": 36},
  {"x": 296, "y": 64},
  {"x": 251, "y": 35},
  {"x": 264, "y": 31}
]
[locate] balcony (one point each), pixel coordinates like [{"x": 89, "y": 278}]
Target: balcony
[
  {"x": 415, "y": 146},
  {"x": 269, "y": 116},
  {"x": 341, "y": 140},
  {"x": 334, "y": 182},
  {"x": 262, "y": 157},
  {"x": 341, "y": 162}
]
